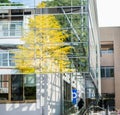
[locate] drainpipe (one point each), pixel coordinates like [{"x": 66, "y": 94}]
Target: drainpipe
[{"x": 62, "y": 94}]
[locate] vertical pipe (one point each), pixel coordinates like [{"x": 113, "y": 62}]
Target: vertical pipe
[
  {"x": 85, "y": 89},
  {"x": 88, "y": 34},
  {"x": 62, "y": 94}
]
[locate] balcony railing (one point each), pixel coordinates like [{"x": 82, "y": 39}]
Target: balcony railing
[
  {"x": 107, "y": 51},
  {"x": 11, "y": 29}
]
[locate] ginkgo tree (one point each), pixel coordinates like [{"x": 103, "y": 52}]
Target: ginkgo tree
[{"x": 44, "y": 49}]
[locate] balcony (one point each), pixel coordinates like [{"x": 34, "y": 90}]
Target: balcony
[{"x": 11, "y": 29}]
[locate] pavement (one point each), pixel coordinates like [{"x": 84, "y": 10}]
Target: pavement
[
  {"x": 98, "y": 113},
  {"x": 104, "y": 113}
]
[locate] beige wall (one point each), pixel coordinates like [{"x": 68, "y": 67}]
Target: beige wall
[
  {"x": 117, "y": 66},
  {"x": 106, "y": 34},
  {"x": 107, "y": 60},
  {"x": 108, "y": 85},
  {"x": 112, "y": 85}
]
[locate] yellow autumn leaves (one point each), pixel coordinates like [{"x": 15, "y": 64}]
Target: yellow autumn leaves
[{"x": 44, "y": 50}]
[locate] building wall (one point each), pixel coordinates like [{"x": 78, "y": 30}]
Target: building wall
[
  {"x": 107, "y": 59},
  {"x": 50, "y": 86},
  {"x": 111, "y": 34},
  {"x": 110, "y": 88},
  {"x": 49, "y": 96},
  {"x": 94, "y": 48},
  {"x": 48, "y": 99}
]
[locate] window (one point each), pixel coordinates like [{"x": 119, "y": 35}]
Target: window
[
  {"x": 67, "y": 91},
  {"x": 9, "y": 29},
  {"x": 4, "y": 87},
  {"x": 4, "y": 28},
  {"x": 12, "y": 29},
  {"x": 30, "y": 87},
  {"x": 107, "y": 48},
  {"x": 11, "y": 59},
  {"x": 6, "y": 58},
  {"x": 107, "y": 71},
  {"x": 14, "y": 88}
]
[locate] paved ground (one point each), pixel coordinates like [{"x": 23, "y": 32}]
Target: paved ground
[
  {"x": 98, "y": 113},
  {"x": 104, "y": 113}
]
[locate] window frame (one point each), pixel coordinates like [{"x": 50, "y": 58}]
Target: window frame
[
  {"x": 107, "y": 48},
  {"x": 67, "y": 91},
  {"x": 8, "y": 60},
  {"x": 9, "y": 100},
  {"x": 107, "y": 69},
  {"x": 8, "y": 31},
  {"x": 2, "y": 81}
]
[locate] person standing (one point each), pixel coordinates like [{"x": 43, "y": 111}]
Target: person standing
[{"x": 80, "y": 104}]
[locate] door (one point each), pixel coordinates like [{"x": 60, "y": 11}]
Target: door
[{"x": 16, "y": 87}]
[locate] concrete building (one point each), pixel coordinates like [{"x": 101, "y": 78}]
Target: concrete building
[
  {"x": 50, "y": 93},
  {"x": 110, "y": 66}
]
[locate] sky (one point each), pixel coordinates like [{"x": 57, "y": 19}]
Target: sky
[
  {"x": 108, "y": 11},
  {"x": 30, "y": 3}
]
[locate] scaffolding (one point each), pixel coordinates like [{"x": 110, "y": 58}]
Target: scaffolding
[{"x": 75, "y": 19}]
